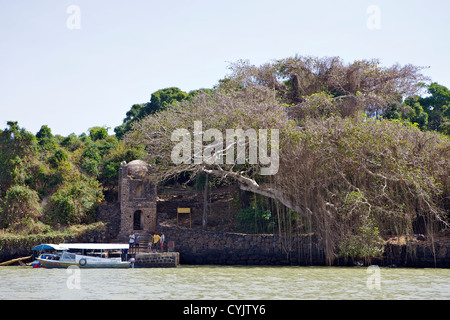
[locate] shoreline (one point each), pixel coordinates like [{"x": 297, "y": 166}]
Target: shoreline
[{"x": 199, "y": 247}]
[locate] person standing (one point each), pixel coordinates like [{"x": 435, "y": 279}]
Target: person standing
[
  {"x": 163, "y": 238},
  {"x": 131, "y": 242},
  {"x": 150, "y": 243},
  {"x": 136, "y": 241},
  {"x": 156, "y": 239}
]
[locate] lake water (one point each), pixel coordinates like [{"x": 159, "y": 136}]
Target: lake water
[{"x": 225, "y": 282}]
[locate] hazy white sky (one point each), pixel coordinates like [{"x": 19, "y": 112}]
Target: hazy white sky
[{"x": 74, "y": 79}]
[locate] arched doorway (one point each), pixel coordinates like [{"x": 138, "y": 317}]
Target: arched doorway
[{"x": 138, "y": 220}]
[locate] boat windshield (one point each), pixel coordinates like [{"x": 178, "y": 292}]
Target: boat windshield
[
  {"x": 49, "y": 256},
  {"x": 68, "y": 256}
]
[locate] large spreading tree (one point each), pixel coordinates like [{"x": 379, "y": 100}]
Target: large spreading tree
[{"x": 350, "y": 176}]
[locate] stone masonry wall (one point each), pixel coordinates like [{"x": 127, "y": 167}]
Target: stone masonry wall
[
  {"x": 202, "y": 247},
  {"x": 157, "y": 260},
  {"x": 136, "y": 196}
]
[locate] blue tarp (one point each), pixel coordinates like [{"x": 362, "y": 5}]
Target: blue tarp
[{"x": 47, "y": 247}]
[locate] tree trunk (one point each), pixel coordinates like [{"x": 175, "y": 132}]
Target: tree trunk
[{"x": 205, "y": 203}]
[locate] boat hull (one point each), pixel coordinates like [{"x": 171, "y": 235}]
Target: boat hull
[{"x": 62, "y": 265}]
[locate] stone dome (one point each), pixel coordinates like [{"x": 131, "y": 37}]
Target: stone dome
[{"x": 137, "y": 169}]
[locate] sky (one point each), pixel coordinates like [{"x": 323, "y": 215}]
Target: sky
[{"x": 76, "y": 64}]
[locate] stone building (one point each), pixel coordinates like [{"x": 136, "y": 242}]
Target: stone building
[{"x": 137, "y": 199}]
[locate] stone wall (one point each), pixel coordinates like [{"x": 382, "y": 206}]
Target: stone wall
[
  {"x": 418, "y": 255},
  {"x": 110, "y": 214},
  {"x": 157, "y": 260},
  {"x": 202, "y": 247}
]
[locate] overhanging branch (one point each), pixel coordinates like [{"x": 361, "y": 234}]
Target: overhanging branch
[{"x": 248, "y": 184}]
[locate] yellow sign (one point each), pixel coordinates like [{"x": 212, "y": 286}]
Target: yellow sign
[{"x": 185, "y": 210}]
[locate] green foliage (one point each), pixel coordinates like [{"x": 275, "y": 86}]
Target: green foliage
[
  {"x": 71, "y": 142},
  {"x": 46, "y": 179},
  {"x": 109, "y": 170},
  {"x": 98, "y": 133},
  {"x": 437, "y": 107},
  {"x": 430, "y": 113},
  {"x": 19, "y": 206},
  {"x": 44, "y": 133},
  {"x": 163, "y": 98},
  {"x": 90, "y": 159},
  {"x": 45, "y": 138},
  {"x": 257, "y": 215},
  {"x": 159, "y": 100},
  {"x": 59, "y": 156},
  {"x": 75, "y": 202},
  {"x": 255, "y": 220},
  {"x": 367, "y": 243},
  {"x": 18, "y": 148}
]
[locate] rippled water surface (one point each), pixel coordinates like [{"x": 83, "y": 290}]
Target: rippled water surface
[{"x": 223, "y": 282}]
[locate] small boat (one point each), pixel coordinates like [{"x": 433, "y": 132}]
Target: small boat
[{"x": 82, "y": 255}]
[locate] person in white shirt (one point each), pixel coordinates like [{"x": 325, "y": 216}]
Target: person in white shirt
[
  {"x": 163, "y": 238},
  {"x": 132, "y": 238}
]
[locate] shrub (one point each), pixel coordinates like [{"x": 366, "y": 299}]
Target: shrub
[
  {"x": 58, "y": 157},
  {"x": 20, "y": 203},
  {"x": 75, "y": 202}
]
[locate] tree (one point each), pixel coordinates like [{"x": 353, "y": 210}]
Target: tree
[
  {"x": 18, "y": 148},
  {"x": 20, "y": 203},
  {"x": 159, "y": 100},
  {"x": 345, "y": 88},
  {"x": 45, "y": 138},
  {"x": 98, "y": 133},
  {"x": 58, "y": 157},
  {"x": 75, "y": 202},
  {"x": 90, "y": 159},
  {"x": 343, "y": 174},
  {"x": 163, "y": 98},
  {"x": 437, "y": 106},
  {"x": 71, "y": 142}
]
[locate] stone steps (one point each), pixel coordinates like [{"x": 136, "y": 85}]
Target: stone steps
[{"x": 143, "y": 240}]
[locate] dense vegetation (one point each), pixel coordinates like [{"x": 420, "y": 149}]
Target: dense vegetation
[
  {"x": 50, "y": 182},
  {"x": 364, "y": 153}
]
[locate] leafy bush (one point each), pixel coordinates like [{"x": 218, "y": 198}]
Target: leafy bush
[
  {"x": 365, "y": 244},
  {"x": 58, "y": 157},
  {"x": 98, "y": 133},
  {"x": 75, "y": 202},
  {"x": 20, "y": 203}
]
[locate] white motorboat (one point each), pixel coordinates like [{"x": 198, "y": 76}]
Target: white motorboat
[{"x": 83, "y": 255}]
